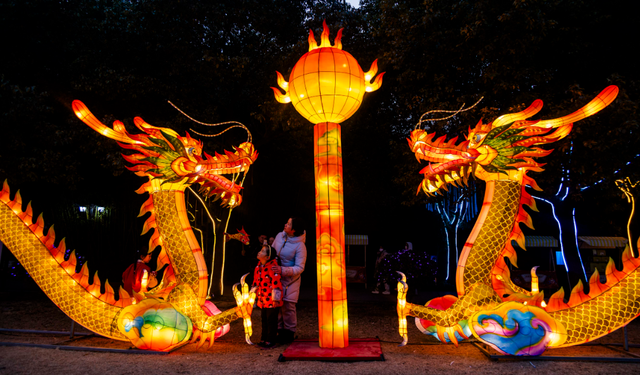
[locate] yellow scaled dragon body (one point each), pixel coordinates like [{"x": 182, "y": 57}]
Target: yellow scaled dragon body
[
  {"x": 489, "y": 306},
  {"x": 177, "y": 310}
]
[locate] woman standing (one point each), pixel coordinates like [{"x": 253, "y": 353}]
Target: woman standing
[{"x": 293, "y": 255}]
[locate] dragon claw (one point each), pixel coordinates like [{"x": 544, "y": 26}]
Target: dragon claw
[
  {"x": 213, "y": 337},
  {"x": 245, "y": 299},
  {"x": 200, "y": 338},
  {"x": 200, "y": 343},
  {"x": 194, "y": 337},
  {"x": 403, "y": 277},
  {"x": 242, "y": 279},
  {"x": 405, "y": 340},
  {"x": 402, "y": 314}
]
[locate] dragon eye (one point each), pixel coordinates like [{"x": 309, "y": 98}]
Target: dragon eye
[{"x": 478, "y": 138}]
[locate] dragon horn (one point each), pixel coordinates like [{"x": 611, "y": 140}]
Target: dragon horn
[
  {"x": 594, "y": 106},
  {"x": 88, "y": 118},
  {"x": 534, "y": 108}
]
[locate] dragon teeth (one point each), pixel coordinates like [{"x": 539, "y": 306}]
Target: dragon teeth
[{"x": 456, "y": 176}]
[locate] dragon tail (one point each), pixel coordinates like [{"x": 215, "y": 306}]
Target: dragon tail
[
  {"x": 75, "y": 293},
  {"x": 607, "y": 307}
]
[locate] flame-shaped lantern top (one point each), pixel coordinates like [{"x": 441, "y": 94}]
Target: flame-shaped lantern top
[{"x": 327, "y": 84}]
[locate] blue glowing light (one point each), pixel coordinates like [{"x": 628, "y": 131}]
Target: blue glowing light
[
  {"x": 602, "y": 180},
  {"x": 575, "y": 230},
  {"x": 553, "y": 211}
]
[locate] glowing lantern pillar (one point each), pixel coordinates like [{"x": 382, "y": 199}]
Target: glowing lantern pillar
[
  {"x": 332, "y": 285},
  {"x": 326, "y": 86}
]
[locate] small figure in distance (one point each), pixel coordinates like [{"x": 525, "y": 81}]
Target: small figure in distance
[{"x": 380, "y": 276}]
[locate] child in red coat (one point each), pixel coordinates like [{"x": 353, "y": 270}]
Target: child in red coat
[{"x": 269, "y": 294}]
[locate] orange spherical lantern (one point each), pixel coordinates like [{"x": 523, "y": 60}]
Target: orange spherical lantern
[{"x": 327, "y": 84}]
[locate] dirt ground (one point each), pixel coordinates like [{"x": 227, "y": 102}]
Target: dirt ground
[{"x": 369, "y": 316}]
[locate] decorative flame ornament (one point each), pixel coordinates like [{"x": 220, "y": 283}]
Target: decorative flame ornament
[{"x": 326, "y": 86}]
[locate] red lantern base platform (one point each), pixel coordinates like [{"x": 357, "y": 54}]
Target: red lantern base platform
[{"x": 358, "y": 350}]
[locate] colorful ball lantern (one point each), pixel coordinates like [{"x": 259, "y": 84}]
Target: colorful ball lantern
[{"x": 326, "y": 86}]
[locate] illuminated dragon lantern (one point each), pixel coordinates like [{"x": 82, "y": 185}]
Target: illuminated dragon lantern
[
  {"x": 175, "y": 311},
  {"x": 488, "y": 305}
]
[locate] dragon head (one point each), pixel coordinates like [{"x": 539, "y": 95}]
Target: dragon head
[
  {"x": 165, "y": 156},
  {"x": 503, "y": 149}
]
